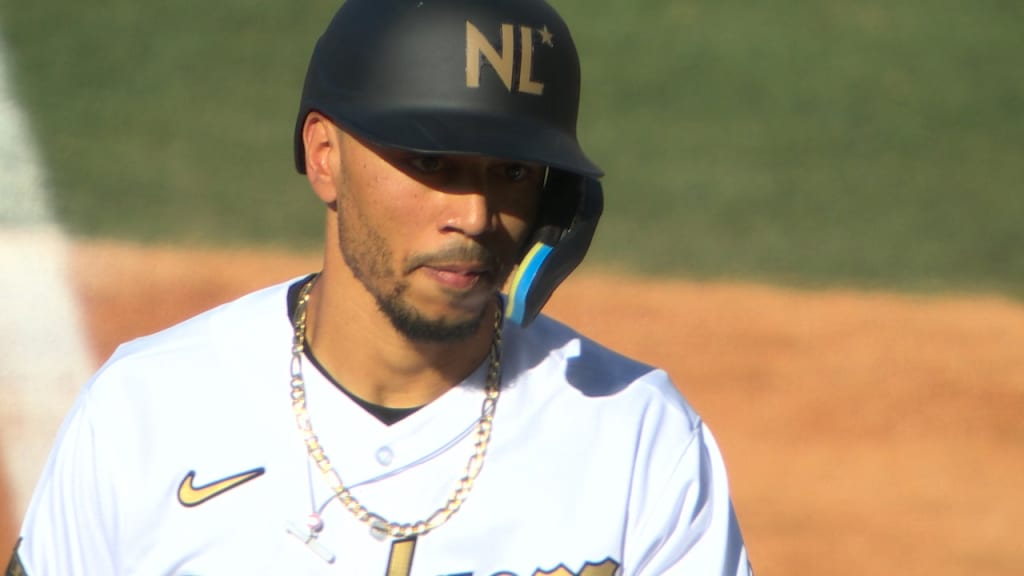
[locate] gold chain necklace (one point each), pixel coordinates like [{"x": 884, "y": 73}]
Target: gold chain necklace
[{"x": 379, "y": 526}]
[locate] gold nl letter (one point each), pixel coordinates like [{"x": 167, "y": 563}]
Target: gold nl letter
[{"x": 477, "y": 45}]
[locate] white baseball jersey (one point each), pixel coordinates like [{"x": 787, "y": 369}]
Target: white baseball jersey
[{"x": 182, "y": 456}]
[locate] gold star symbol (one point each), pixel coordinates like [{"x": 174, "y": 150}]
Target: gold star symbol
[{"x": 546, "y": 36}]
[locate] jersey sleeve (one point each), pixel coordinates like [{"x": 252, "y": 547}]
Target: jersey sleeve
[
  {"x": 70, "y": 526},
  {"x": 687, "y": 525}
]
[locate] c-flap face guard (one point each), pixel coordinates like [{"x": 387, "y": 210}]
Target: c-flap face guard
[{"x": 557, "y": 247}]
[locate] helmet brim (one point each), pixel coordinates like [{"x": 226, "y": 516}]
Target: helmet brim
[{"x": 459, "y": 132}]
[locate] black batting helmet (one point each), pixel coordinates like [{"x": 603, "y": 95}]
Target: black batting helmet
[
  {"x": 496, "y": 78},
  {"x": 488, "y": 77}
]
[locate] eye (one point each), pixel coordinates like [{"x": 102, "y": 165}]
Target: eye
[
  {"x": 517, "y": 172},
  {"x": 427, "y": 164}
]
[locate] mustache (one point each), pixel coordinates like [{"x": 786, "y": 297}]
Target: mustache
[{"x": 476, "y": 255}]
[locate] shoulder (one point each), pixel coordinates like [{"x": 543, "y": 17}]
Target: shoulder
[
  {"x": 230, "y": 325},
  {"x": 159, "y": 394},
  {"x": 203, "y": 349},
  {"x": 550, "y": 358},
  {"x": 254, "y": 310}
]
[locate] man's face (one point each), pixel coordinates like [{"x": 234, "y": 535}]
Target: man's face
[{"x": 433, "y": 238}]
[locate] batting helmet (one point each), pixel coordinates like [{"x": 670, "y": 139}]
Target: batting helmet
[{"x": 496, "y": 78}]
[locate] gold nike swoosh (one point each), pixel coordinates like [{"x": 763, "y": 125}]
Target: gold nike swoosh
[{"x": 190, "y": 495}]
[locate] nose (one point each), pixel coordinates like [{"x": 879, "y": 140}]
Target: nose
[
  {"x": 467, "y": 212},
  {"x": 468, "y": 208}
]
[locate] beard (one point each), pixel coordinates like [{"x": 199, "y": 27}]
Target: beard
[
  {"x": 370, "y": 259},
  {"x": 414, "y": 326}
]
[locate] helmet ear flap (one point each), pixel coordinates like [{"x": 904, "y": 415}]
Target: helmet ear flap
[{"x": 571, "y": 208}]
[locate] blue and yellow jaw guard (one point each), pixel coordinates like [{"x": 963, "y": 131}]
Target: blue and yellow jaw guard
[{"x": 557, "y": 247}]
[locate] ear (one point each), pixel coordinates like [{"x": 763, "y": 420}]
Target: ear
[{"x": 320, "y": 139}]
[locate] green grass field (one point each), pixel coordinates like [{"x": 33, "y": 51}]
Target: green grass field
[{"x": 868, "y": 143}]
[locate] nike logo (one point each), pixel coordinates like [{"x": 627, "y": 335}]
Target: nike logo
[{"x": 190, "y": 495}]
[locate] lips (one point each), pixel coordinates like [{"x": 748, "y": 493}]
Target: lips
[
  {"x": 459, "y": 268},
  {"x": 459, "y": 276}
]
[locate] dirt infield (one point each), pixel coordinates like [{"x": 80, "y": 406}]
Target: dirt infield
[{"x": 865, "y": 433}]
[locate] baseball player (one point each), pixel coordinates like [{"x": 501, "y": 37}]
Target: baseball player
[{"x": 393, "y": 414}]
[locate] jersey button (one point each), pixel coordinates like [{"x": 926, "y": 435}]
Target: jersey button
[{"x": 385, "y": 456}]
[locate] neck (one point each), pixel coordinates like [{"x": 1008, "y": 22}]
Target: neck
[{"x": 358, "y": 345}]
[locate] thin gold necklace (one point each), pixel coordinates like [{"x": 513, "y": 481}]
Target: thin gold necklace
[{"x": 380, "y": 527}]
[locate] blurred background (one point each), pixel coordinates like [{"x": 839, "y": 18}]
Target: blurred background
[
  {"x": 865, "y": 145},
  {"x": 873, "y": 143}
]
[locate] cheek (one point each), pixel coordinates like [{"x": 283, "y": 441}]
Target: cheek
[
  {"x": 383, "y": 201},
  {"x": 518, "y": 228},
  {"x": 520, "y": 213}
]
